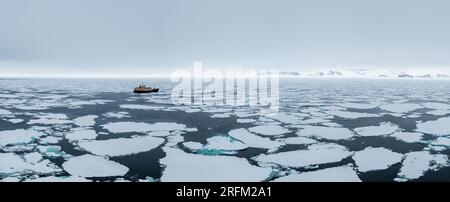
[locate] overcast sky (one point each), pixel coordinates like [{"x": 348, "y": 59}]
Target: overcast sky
[{"x": 159, "y": 35}]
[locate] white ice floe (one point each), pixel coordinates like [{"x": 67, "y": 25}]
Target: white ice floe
[
  {"x": 351, "y": 115},
  {"x": 285, "y": 118},
  {"x": 224, "y": 115},
  {"x": 336, "y": 174},
  {"x": 141, "y": 107},
  {"x": 436, "y": 127},
  {"x": 329, "y": 133},
  {"x": 193, "y": 145},
  {"x": 252, "y": 140},
  {"x": 12, "y": 163},
  {"x": 126, "y": 127},
  {"x": 81, "y": 134},
  {"x": 18, "y": 136},
  {"x": 371, "y": 159},
  {"x": 441, "y": 141},
  {"x": 401, "y": 107},
  {"x": 314, "y": 155},
  {"x": 359, "y": 105},
  {"x": 382, "y": 129},
  {"x": 435, "y": 105},
  {"x": 439, "y": 112},
  {"x": 33, "y": 157},
  {"x": 269, "y": 130},
  {"x": 58, "y": 179},
  {"x": 184, "y": 167},
  {"x": 15, "y": 121},
  {"x": 224, "y": 143},
  {"x": 49, "y": 140},
  {"x": 408, "y": 137},
  {"x": 298, "y": 140},
  {"x": 121, "y": 146},
  {"x": 84, "y": 121},
  {"x": 4, "y": 112},
  {"x": 93, "y": 166},
  {"x": 50, "y": 119},
  {"x": 118, "y": 115},
  {"x": 162, "y": 133},
  {"x": 417, "y": 163},
  {"x": 245, "y": 120}
]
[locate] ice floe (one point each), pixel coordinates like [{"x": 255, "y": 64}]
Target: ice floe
[
  {"x": 314, "y": 155},
  {"x": 336, "y": 174},
  {"x": 4, "y": 112},
  {"x": 245, "y": 120},
  {"x": 121, "y": 146},
  {"x": 269, "y": 130},
  {"x": 359, "y": 105},
  {"x": 12, "y": 163},
  {"x": 298, "y": 140},
  {"x": 224, "y": 143},
  {"x": 93, "y": 166},
  {"x": 88, "y": 120},
  {"x": 58, "y": 179},
  {"x": 351, "y": 115},
  {"x": 408, "y": 137},
  {"x": 81, "y": 134},
  {"x": 126, "y": 127},
  {"x": 184, "y": 167},
  {"x": 330, "y": 133},
  {"x": 436, "y": 127},
  {"x": 118, "y": 115},
  {"x": 371, "y": 159},
  {"x": 401, "y": 107},
  {"x": 18, "y": 136},
  {"x": 382, "y": 129},
  {"x": 252, "y": 140},
  {"x": 439, "y": 112},
  {"x": 50, "y": 119},
  {"x": 141, "y": 107},
  {"x": 436, "y": 105},
  {"x": 417, "y": 163}
]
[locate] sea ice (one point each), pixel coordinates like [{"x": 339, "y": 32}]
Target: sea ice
[
  {"x": 224, "y": 143},
  {"x": 18, "y": 136},
  {"x": 252, "y": 140},
  {"x": 351, "y": 115},
  {"x": 371, "y": 159},
  {"x": 329, "y": 133},
  {"x": 336, "y": 174},
  {"x": 439, "y": 112},
  {"x": 81, "y": 134},
  {"x": 184, "y": 167},
  {"x": 417, "y": 163},
  {"x": 93, "y": 166},
  {"x": 141, "y": 107},
  {"x": 436, "y": 105},
  {"x": 408, "y": 137},
  {"x": 382, "y": 129},
  {"x": 438, "y": 127},
  {"x": 298, "y": 140},
  {"x": 314, "y": 155},
  {"x": 88, "y": 120},
  {"x": 121, "y": 146},
  {"x": 126, "y": 127},
  {"x": 269, "y": 130},
  {"x": 359, "y": 105},
  {"x": 401, "y": 107}
]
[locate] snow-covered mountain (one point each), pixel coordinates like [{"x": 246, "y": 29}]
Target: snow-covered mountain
[{"x": 372, "y": 73}]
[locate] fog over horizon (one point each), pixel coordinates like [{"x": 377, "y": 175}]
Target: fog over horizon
[{"x": 155, "y": 37}]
